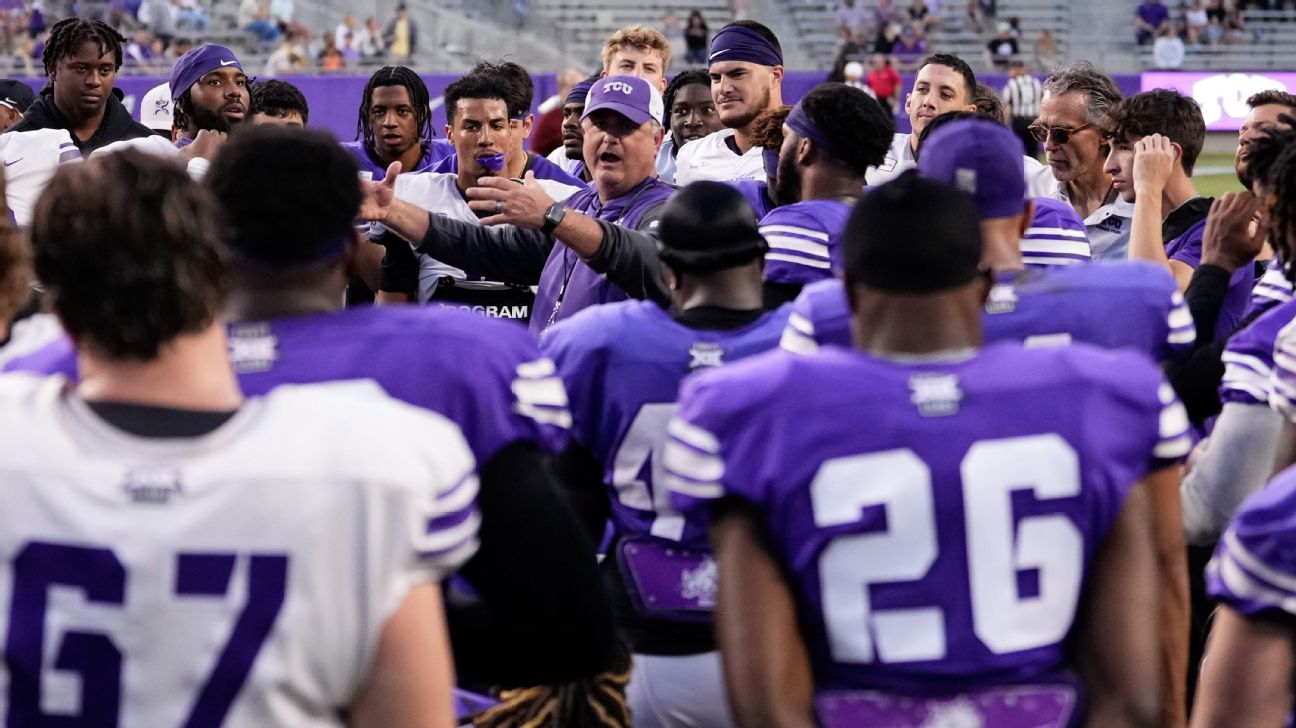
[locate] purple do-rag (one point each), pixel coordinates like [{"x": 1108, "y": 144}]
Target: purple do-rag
[
  {"x": 738, "y": 43},
  {"x": 799, "y": 122},
  {"x": 981, "y": 157},
  {"x": 199, "y": 62},
  {"x": 580, "y": 91}
]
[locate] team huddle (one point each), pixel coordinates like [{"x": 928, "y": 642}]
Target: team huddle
[{"x": 728, "y": 412}]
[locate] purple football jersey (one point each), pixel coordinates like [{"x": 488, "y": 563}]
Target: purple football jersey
[
  {"x": 622, "y": 365},
  {"x": 1272, "y": 289},
  {"x": 1254, "y": 569},
  {"x": 1282, "y": 382},
  {"x": 1061, "y": 305},
  {"x": 803, "y": 240},
  {"x": 484, "y": 374},
  {"x": 567, "y": 283},
  {"x": 435, "y": 151},
  {"x": 1249, "y": 357},
  {"x": 1056, "y": 237},
  {"x": 756, "y": 194},
  {"x": 936, "y": 520},
  {"x": 1187, "y": 248}
]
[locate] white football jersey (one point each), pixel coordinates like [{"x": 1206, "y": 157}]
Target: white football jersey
[
  {"x": 239, "y": 578},
  {"x": 30, "y": 160},
  {"x": 439, "y": 192},
  {"x": 898, "y": 159},
  {"x": 710, "y": 158},
  {"x": 559, "y": 157}
]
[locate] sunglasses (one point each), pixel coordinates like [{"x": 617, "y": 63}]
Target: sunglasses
[{"x": 1061, "y": 135}]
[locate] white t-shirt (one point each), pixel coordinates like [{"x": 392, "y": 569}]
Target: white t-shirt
[
  {"x": 559, "y": 157},
  {"x": 711, "y": 158},
  {"x": 1108, "y": 227},
  {"x": 243, "y": 576},
  {"x": 439, "y": 192},
  {"x": 30, "y": 160}
]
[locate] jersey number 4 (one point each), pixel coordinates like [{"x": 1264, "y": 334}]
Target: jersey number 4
[
  {"x": 94, "y": 657},
  {"x": 901, "y": 483}
]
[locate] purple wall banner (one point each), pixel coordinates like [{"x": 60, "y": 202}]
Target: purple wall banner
[
  {"x": 1222, "y": 96},
  {"x": 335, "y": 100}
]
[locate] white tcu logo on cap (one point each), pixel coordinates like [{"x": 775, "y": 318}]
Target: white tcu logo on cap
[{"x": 621, "y": 86}]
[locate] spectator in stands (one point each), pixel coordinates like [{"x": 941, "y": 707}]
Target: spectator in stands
[
  {"x": 15, "y": 98},
  {"x": 1151, "y": 18},
  {"x": 1002, "y": 48},
  {"x": 1075, "y": 100},
  {"x": 348, "y": 25},
  {"x": 278, "y": 102},
  {"x": 1168, "y": 49},
  {"x": 254, "y": 18},
  {"x": 1021, "y": 98},
  {"x": 331, "y": 59},
  {"x": 191, "y": 16},
  {"x": 548, "y": 134},
  {"x": 139, "y": 51},
  {"x": 696, "y": 37},
  {"x": 887, "y": 39},
  {"x": 81, "y": 62},
  {"x": 884, "y": 81},
  {"x": 401, "y": 35},
  {"x": 287, "y": 59},
  {"x": 1046, "y": 52},
  {"x": 910, "y": 49},
  {"x": 1234, "y": 25},
  {"x": 674, "y": 32},
  {"x": 284, "y": 15},
  {"x": 884, "y": 15},
  {"x": 371, "y": 41},
  {"x": 921, "y": 17},
  {"x": 1196, "y": 22},
  {"x": 977, "y": 12},
  {"x": 850, "y": 17}
]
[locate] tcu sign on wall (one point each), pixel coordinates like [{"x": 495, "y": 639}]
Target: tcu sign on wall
[{"x": 1222, "y": 95}]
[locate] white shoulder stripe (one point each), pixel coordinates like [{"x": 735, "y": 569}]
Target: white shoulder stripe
[
  {"x": 707, "y": 491},
  {"x": 686, "y": 462},
  {"x": 537, "y": 369},
  {"x": 783, "y": 242},
  {"x": 543, "y": 392},
  {"x": 822, "y": 264},
  {"x": 1049, "y": 232},
  {"x": 693, "y": 436},
  {"x": 797, "y": 342},
  {"x": 768, "y": 230},
  {"x": 1244, "y": 557},
  {"x": 544, "y": 415}
]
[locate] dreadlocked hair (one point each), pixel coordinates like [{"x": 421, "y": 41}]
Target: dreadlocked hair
[
  {"x": 1272, "y": 162},
  {"x": 418, "y": 93},
  {"x": 767, "y": 132},
  {"x": 598, "y": 702},
  {"x": 68, "y": 35}
]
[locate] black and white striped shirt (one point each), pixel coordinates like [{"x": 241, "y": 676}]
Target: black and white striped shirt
[{"x": 1023, "y": 95}]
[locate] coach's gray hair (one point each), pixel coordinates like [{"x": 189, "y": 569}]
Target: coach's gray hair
[{"x": 1099, "y": 89}]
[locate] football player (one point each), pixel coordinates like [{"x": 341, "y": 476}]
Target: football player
[
  {"x": 189, "y": 556},
  {"x": 622, "y": 364},
  {"x": 971, "y": 552},
  {"x": 395, "y": 125}
]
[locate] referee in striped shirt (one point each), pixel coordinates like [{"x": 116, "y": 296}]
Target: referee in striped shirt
[{"x": 1022, "y": 98}]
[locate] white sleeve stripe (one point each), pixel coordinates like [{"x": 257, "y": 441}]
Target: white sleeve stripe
[
  {"x": 1279, "y": 295},
  {"x": 1284, "y": 362},
  {"x": 1184, "y": 336},
  {"x": 1246, "y": 361},
  {"x": 1180, "y": 317},
  {"x": 682, "y": 460},
  {"x": 1165, "y": 393},
  {"x": 456, "y": 555},
  {"x": 1045, "y": 259},
  {"x": 801, "y": 324},
  {"x": 1050, "y": 232},
  {"x": 545, "y": 416},
  {"x": 1281, "y": 388},
  {"x": 1174, "y": 421},
  {"x": 693, "y": 436},
  {"x": 768, "y": 230},
  {"x": 548, "y": 391},
  {"x": 695, "y": 490},
  {"x": 783, "y": 242},
  {"x": 797, "y": 342},
  {"x": 799, "y": 261},
  {"x": 1174, "y": 449},
  {"x": 1257, "y": 392},
  {"x": 1247, "y": 560},
  {"x": 1048, "y": 245},
  {"x": 536, "y": 369},
  {"x": 450, "y": 538},
  {"x": 458, "y": 496}
]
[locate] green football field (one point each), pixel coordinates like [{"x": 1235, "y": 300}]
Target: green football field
[{"x": 1213, "y": 185}]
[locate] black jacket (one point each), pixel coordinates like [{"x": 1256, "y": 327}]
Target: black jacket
[{"x": 116, "y": 126}]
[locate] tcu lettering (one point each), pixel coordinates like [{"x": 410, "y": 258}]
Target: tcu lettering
[{"x": 621, "y": 86}]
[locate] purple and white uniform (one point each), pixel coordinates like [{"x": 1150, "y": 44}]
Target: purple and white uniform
[
  {"x": 1249, "y": 358},
  {"x": 543, "y": 168},
  {"x": 1056, "y": 237},
  {"x": 1254, "y": 570},
  {"x": 1282, "y": 383},
  {"x": 1039, "y": 308},
  {"x": 486, "y": 376},
  {"x": 1272, "y": 289},
  {"x": 1187, "y": 248},
  {"x": 942, "y": 550},
  {"x": 803, "y": 240},
  {"x": 435, "y": 151}
]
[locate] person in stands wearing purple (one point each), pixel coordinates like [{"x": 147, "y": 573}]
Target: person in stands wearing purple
[
  {"x": 586, "y": 251},
  {"x": 842, "y": 605}
]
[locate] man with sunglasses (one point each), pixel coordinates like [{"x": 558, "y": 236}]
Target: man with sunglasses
[{"x": 1075, "y": 100}]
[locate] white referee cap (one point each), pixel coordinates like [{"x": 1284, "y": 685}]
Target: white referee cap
[{"x": 155, "y": 108}]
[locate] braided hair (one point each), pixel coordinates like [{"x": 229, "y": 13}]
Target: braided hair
[
  {"x": 598, "y": 702},
  {"x": 68, "y": 35},
  {"x": 418, "y": 93},
  {"x": 1272, "y": 162},
  {"x": 682, "y": 79}
]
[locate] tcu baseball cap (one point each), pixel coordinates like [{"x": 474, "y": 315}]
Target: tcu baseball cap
[
  {"x": 984, "y": 159},
  {"x": 630, "y": 96},
  {"x": 16, "y": 95},
  {"x": 199, "y": 62},
  {"x": 155, "y": 108}
]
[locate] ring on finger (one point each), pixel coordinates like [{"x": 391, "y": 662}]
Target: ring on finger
[{"x": 499, "y": 206}]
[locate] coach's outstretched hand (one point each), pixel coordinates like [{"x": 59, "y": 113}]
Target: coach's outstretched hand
[
  {"x": 1232, "y": 237},
  {"x": 379, "y": 195},
  {"x": 523, "y": 204}
]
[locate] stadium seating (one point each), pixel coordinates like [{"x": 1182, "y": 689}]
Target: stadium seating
[
  {"x": 1265, "y": 44},
  {"x": 582, "y": 25}
]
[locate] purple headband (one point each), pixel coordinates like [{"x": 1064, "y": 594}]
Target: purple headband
[
  {"x": 580, "y": 92},
  {"x": 798, "y": 122},
  {"x": 737, "y": 43}
]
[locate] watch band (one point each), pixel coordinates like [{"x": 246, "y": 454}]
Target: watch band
[{"x": 553, "y": 217}]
